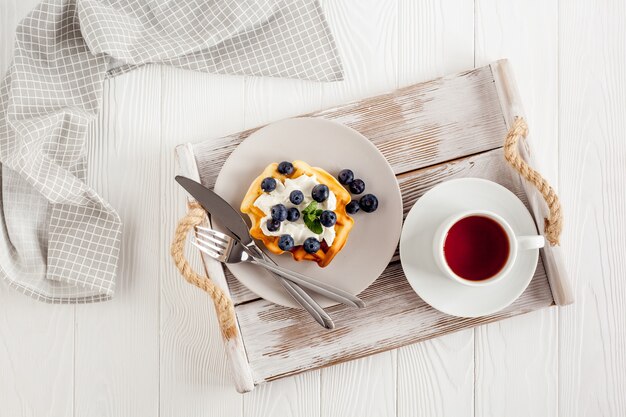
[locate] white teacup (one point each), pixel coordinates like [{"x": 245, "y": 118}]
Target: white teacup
[{"x": 516, "y": 243}]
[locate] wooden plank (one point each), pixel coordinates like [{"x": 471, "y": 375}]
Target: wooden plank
[
  {"x": 36, "y": 356},
  {"x": 413, "y": 127},
  {"x": 592, "y": 97},
  {"x": 428, "y": 123},
  {"x": 36, "y": 339},
  {"x": 196, "y": 368},
  {"x": 117, "y": 342},
  {"x": 270, "y": 99},
  {"x": 375, "y": 376},
  {"x": 505, "y": 360},
  {"x": 516, "y": 366},
  {"x": 435, "y": 377},
  {"x": 435, "y": 38},
  {"x": 295, "y": 396},
  {"x": 280, "y": 342},
  {"x": 366, "y": 33}
]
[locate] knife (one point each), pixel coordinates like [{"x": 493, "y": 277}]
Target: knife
[
  {"x": 222, "y": 210},
  {"x": 236, "y": 225}
]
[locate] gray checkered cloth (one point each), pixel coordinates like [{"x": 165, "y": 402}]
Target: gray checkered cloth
[{"x": 59, "y": 239}]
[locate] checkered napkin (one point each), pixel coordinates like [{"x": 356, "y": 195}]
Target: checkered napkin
[{"x": 59, "y": 239}]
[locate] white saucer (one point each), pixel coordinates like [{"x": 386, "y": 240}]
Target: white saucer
[{"x": 416, "y": 252}]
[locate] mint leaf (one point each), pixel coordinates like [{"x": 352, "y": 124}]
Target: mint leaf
[
  {"x": 314, "y": 225},
  {"x": 317, "y": 227},
  {"x": 310, "y": 209},
  {"x": 311, "y": 215}
]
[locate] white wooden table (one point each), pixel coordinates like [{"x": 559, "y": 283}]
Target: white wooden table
[{"x": 155, "y": 349}]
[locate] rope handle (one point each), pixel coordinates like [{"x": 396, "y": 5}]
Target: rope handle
[
  {"x": 553, "y": 224},
  {"x": 223, "y": 304}
]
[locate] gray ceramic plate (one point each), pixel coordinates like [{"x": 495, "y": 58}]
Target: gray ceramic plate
[{"x": 333, "y": 147}]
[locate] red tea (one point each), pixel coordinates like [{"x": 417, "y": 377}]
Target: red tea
[{"x": 476, "y": 248}]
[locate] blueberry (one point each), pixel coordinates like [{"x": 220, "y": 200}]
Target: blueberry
[
  {"x": 357, "y": 186},
  {"x": 328, "y": 218},
  {"x": 293, "y": 214},
  {"x": 368, "y": 203},
  {"x": 279, "y": 212},
  {"x": 285, "y": 168},
  {"x": 296, "y": 197},
  {"x": 273, "y": 225},
  {"x": 320, "y": 193},
  {"x": 352, "y": 207},
  {"x": 345, "y": 176},
  {"x": 268, "y": 184},
  {"x": 285, "y": 242},
  {"x": 311, "y": 245}
]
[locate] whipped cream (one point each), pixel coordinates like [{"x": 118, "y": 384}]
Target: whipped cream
[{"x": 297, "y": 229}]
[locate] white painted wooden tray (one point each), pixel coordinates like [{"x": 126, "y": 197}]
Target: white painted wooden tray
[{"x": 430, "y": 132}]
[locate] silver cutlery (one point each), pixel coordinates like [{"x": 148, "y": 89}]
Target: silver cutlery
[
  {"x": 226, "y": 249},
  {"x": 235, "y": 224}
]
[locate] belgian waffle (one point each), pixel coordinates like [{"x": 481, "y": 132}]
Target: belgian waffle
[{"x": 342, "y": 226}]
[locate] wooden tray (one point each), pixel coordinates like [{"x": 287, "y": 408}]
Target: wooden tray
[{"x": 447, "y": 128}]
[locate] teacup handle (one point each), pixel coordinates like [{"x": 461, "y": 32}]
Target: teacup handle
[{"x": 530, "y": 242}]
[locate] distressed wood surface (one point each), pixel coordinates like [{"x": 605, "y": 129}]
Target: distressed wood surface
[
  {"x": 413, "y": 127},
  {"x": 568, "y": 61},
  {"x": 592, "y": 333},
  {"x": 435, "y": 377},
  {"x": 125, "y": 377},
  {"x": 516, "y": 361}
]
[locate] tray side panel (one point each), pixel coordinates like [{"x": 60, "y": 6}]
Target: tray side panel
[
  {"x": 234, "y": 347},
  {"x": 506, "y": 87},
  {"x": 281, "y": 341}
]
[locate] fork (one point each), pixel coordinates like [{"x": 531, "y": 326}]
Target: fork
[
  {"x": 227, "y": 250},
  {"x": 296, "y": 292}
]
